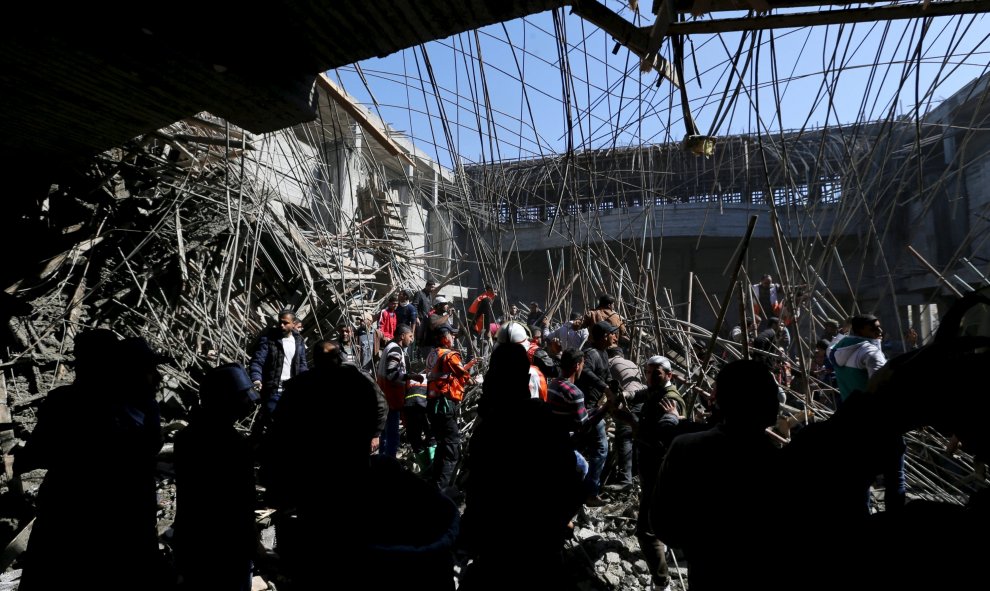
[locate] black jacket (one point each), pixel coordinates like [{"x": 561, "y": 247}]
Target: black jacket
[{"x": 266, "y": 364}]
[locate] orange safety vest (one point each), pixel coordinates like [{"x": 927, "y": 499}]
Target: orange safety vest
[
  {"x": 537, "y": 381},
  {"x": 479, "y": 325},
  {"x": 441, "y": 381}
]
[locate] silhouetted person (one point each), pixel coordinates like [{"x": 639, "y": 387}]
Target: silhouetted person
[
  {"x": 98, "y": 437},
  {"x": 215, "y": 533},
  {"x": 523, "y": 483},
  {"x": 729, "y": 473},
  {"x": 831, "y": 462},
  {"x": 322, "y": 432}
]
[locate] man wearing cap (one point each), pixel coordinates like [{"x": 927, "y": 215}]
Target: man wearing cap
[
  {"x": 215, "y": 533},
  {"x": 439, "y": 318},
  {"x": 606, "y": 312},
  {"x": 662, "y": 407},
  {"x": 593, "y": 381}
]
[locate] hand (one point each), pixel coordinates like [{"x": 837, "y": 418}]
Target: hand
[
  {"x": 669, "y": 406},
  {"x": 374, "y": 444},
  {"x": 257, "y": 385}
]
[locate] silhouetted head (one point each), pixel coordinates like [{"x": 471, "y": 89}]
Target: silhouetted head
[
  {"x": 137, "y": 377},
  {"x": 95, "y": 352},
  {"x": 746, "y": 395},
  {"x": 226, "y": 391},
  {"x": 327, "y": 354},
  {"x": 507, "y": 381}
]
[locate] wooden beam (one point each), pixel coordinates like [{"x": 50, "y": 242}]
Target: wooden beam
[
  {"x": 348, "y": 104},
  {"x": 635, "y": 39},
  {"x": 831, "y": 17}
]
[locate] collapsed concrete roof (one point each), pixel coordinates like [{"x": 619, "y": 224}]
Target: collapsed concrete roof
[{"x": 82, "y": 79}]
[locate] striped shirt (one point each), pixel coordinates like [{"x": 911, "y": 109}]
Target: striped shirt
[{"x": 567, "y": 404}]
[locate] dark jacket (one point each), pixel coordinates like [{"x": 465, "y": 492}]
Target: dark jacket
[
  {"x": 121, "y": 441},
  {"x": 406, "y": 314},
  {"x": 215, "y": 492},
  {"x": 423, "y": 304},
  {"x": 656, "y": 430},
  {"x": 298, "y": 434},
  {"x": 594, "y": 377},
  {"x": 266, "y": 364},
  {"x": 545, "y": 363}
]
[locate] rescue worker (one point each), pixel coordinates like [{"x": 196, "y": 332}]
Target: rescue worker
[{"x": 446, "y": 379}]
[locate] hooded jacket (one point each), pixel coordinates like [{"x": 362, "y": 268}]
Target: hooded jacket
[{"x": 855, "y": 360}]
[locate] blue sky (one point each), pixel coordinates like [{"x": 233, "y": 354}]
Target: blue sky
[{"x": 822, "y": 75}]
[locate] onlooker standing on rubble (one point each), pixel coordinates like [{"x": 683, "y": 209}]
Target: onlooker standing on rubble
[
  {"x": 627, "y": 374},
  {"x": 855, "y": 359},
  {"x": 482, "y": 315},
  {"x": 423, "y": 301},
  {"x": 350, "y": 349},
  {"x": 661, "y": 408},
  {"x": 393, "y": 379},
  {"x": 281, "y": 355},
  {"x": 708, "y": 467},
  {"x": 297, "y": 450},
  {"x": 536, "y": 318},
  {"x": 516, "y": 435},
  {"x": 768, "y": 299},
  {"x": 606, "y": 312},
  {"x": 111, "y": 410},
  {"x": 388, "y": 319},
  {"x": 571, "y": 334},
  {"x": 369, "y": 339},
  {"x": 216, "y": 538},
  {"x": 406, "y": 314},
  {"x": 573, "y": 416},
  {"x": 593, "y": 381},
  {"x": 440, "y": 317}
]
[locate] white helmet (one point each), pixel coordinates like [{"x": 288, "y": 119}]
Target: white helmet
[{"x": 513, "y": 332}]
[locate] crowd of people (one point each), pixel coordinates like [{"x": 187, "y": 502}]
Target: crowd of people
[{"x": 538, "y": 453}]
